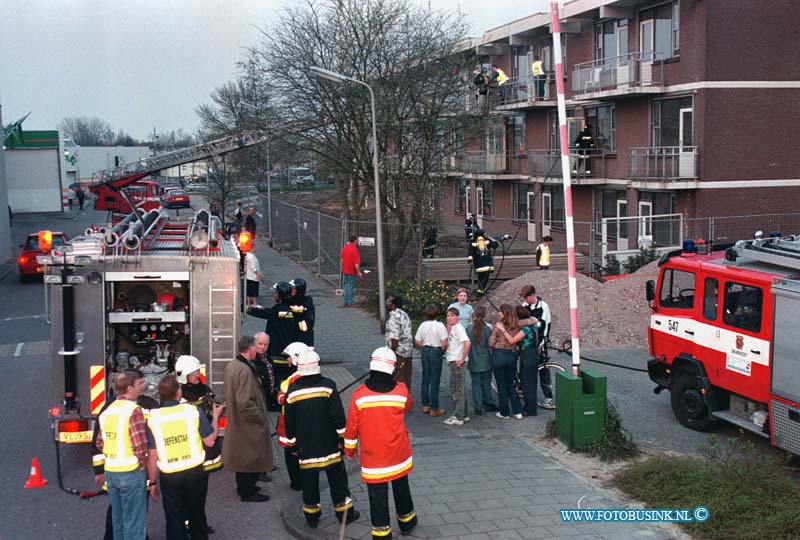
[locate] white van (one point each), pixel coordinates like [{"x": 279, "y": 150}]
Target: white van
[{"x": 301, "y": 176}]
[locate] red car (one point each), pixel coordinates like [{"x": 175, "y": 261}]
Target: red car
[
  {"x": 26, "y": 261},
  {"x": 175, "y": 198}
]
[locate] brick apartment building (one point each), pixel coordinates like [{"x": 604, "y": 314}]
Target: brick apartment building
[{"x": 692, "y": 104}]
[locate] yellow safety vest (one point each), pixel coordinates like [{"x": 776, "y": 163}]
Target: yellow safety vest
[
  {"x": 544, "y": 259},
  {"x": 176, "y": 431},
  {"x": 537, "y": 68},
  {"x": 502, "y": 78},
  {"x": 117, "y": 448}
]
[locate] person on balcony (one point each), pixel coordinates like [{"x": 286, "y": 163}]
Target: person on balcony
[
  {"x": 585, "y": 145},
  {"x": 499, "y": 80},
  {"x": 539, "y": 77}
]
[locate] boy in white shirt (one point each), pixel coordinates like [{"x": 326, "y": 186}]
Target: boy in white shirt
[
  {"x": 458, "y": 345},
  {"x": 431, "y": 336}
]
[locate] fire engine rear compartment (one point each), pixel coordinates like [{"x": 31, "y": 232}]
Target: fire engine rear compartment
[{"x": 785, "y": 380}]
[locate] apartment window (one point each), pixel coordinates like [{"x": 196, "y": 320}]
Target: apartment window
[
  {"x": 666, "y": 30},
  {"x": 611, "y": 203},
  {"x": 665, "y": 231},
  {"x": 557, "y": 213},
  {"x": 487, "y": 207},
  {"x": 611, "y": 40},
  {"x": 573, "y": 127},
  {"x": 665, "y": 122},
  {"x": 603, "y": 122},
  {"x": 519, "y": 201},
  {"x": 518, "y": 132},
  {"x": 494, "y": 139},
  {"x": 461, "y": 196}
]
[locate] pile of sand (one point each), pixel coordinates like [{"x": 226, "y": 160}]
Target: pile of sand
[{"x": 611, "y": 314}]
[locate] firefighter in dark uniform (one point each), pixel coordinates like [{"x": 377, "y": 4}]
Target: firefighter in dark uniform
[
  {"x": 584, "y": 142},
  {"x": 281, "y": 327},
  {"x": 480, "y": 255},
  {"x": 180, "y": 433},
  {"x": 315, "y": 422},
  {"x": 98, "y": 458},
  {"x": 430, "y": 242},
  {"x": 293, "y": 351},
  {"x": 303, "y": 309}
]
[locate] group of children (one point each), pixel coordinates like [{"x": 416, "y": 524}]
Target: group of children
[{"x": 468, "y": 343}]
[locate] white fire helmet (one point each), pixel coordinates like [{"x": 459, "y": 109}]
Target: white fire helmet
[
  {"x": 184, "y": 366},
  {"x": 294, "y": 350},
  {"x": 308, "y": 363},
  {"x": 383, "y": 359}
]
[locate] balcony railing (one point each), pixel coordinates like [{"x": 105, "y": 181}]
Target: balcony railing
[
  {"x": 634, "y": 70},
  {"x": 588, "y": 164},
  {"x": 663, "y": 162},
  {"x": 481, "y": 162},
  {"x": 524, "y": 90}
]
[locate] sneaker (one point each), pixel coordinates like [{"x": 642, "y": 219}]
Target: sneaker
[
  {"x": 518, "y": 416},
  {"x": 466, "y": 419},
  {"x": 453, "y": 421},
  {"x": 588, "y": 172},
  {"x": 548, "y": 403},
  {"x": 436, "y": 412},
  {"x": 499, "y": 415}
]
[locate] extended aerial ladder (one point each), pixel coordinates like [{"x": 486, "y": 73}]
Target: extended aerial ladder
[{"x": 109, "y": 185}]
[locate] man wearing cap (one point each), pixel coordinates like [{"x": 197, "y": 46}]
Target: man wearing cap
[
  {"x": 293, "y": 352},
  {"x": 180, "y": 431},
  {"x": 376, "y": 421},
  {"x": 314, "y": 431}
]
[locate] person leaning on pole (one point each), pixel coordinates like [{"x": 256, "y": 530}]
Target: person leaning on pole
[
  {"x": 376, "y": 423},
  {"x": 179, "y": 432}
]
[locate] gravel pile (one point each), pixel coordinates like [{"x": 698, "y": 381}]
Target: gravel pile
[{"x": 611, "y": 314}]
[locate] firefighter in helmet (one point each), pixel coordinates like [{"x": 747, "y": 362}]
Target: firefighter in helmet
[
  {"x": 480, "y": 255},
  {"x": 281, "y": 327},
  {"x": 315, "y": 422},
  {"x": 293, "y": 352},
  {"x": 304, "y": 311},
  {"x": 196, "y": 392}
]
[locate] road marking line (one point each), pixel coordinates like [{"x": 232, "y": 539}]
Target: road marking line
[
  {"x": 9, "y": 319},
  {"x": 19, "y": 349}
]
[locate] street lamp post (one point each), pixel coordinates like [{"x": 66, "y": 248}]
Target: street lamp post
[
  {"x": 269, "y": 179},
  {"x": 339, "y": 78}
]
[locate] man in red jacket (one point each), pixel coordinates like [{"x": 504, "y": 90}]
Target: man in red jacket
[
  {"x": 351, "y": 269},
  {"x": 377, "y": 420}
]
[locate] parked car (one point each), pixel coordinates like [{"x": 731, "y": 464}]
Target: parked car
[
  {"x": 26, "y": 260},
  {"x": 175, "y": 198}
]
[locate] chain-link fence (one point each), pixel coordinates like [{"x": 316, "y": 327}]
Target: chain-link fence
[{"x": 315, "y": 239}]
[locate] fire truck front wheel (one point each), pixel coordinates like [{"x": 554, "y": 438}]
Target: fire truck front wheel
[{"x": 688, "y": 404}]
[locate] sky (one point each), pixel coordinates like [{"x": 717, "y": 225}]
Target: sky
[{"x": 148, "y": 64}]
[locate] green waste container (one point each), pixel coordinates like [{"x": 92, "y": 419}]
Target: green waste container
[{"x": 580, "y": 407}]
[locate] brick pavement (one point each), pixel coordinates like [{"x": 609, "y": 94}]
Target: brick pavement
[{"x": 485, "y": 480}]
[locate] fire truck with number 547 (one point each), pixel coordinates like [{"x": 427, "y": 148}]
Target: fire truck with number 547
[{"x": 723, "y": 336}]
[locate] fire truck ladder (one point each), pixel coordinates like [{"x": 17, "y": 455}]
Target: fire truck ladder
[
  {"x": 198, "y": 152},
  {"x": 784, "y": 252},
  {"x": 222, "y": 331}
]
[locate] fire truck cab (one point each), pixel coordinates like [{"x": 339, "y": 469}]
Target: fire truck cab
[
  {"x": 139, "y": 294},
  {"x": 722, "y": 336}
]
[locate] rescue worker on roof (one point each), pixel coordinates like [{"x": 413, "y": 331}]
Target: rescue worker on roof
[
  {"x": 293, "y": 352},
  {"x": 480, "y": 255},
  {"x": 543, "y": 253},
  {"x": 376, "y": 422},
  {"x": 303, "y": 308},
  {"x": 314, "y": 431},
  {"x": 179, "y": 432},
  {"x": 281, "y": 327},
  {"x": 98, "y": 458}
]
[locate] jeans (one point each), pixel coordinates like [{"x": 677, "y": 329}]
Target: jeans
[
  {"x": 128, "y": 496},
  {"x": 530, "y": 370},
  {"x": 349, "y": 288},
  {"x": 481, "y": 389},
  {"x": 431, "y": 375},
  {"x": 504, "y": 365},
  {"x": 457, "y": 390}
]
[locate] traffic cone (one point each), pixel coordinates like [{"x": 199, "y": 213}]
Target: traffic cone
[{"x": 35, "y": 480}]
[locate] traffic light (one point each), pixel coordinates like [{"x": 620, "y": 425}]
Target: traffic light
[
  {"x": 45, "y": 240},
  {"x": 245, "y": 242}
]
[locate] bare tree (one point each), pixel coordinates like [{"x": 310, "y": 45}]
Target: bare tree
[
  {"x": 87, "y": 131},
  {"x": 123, "y": 139},
  {"x": 415, "y": 60}
]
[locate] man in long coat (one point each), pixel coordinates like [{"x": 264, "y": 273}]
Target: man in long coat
[{"x": 245, "y": 448}]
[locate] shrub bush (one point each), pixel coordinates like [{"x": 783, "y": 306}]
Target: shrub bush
[{"x": 418, "y": 295}]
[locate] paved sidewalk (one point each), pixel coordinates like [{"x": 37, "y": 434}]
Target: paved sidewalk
[{"x": 485, "y": 480}]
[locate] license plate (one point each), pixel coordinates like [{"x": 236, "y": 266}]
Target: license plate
[{"x": 72, "y": 437}]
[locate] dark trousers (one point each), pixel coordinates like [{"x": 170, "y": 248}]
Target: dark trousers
[
  {"x": 546, "y": 381},
  {"x": 529, "y": 358},
  {"x": 340, "y": 492},
  {"x": 293, "y": 468},
  {"x": 483, "y": 281},
  {"x": 246, "y": 483},
  {"x": 585, "y": 157},
  {"x": 183, "y": 494},
  {"x": 540, "y": 86},
  {"x": 402, "y": 372},
  {"x": 379, "y": 507}
]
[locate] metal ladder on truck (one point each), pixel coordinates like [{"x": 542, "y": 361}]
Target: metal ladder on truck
[
  {"x": 784, "y": 252},
  {"x": 221, "y": 332}
]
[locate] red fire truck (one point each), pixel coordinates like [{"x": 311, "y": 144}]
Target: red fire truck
[{"x": 722, "y": 336}]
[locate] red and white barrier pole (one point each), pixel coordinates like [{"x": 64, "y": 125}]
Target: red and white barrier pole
[{"x": 565, "y": 171}]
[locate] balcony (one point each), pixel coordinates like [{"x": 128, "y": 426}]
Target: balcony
[
  {"x": 664, "y": 163},
  {"x": 491, "y": 164},
  {"x": 547, "y": 163},
  {"x": 634, "y": 73},
  {"x": 524, "y": 92}
]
